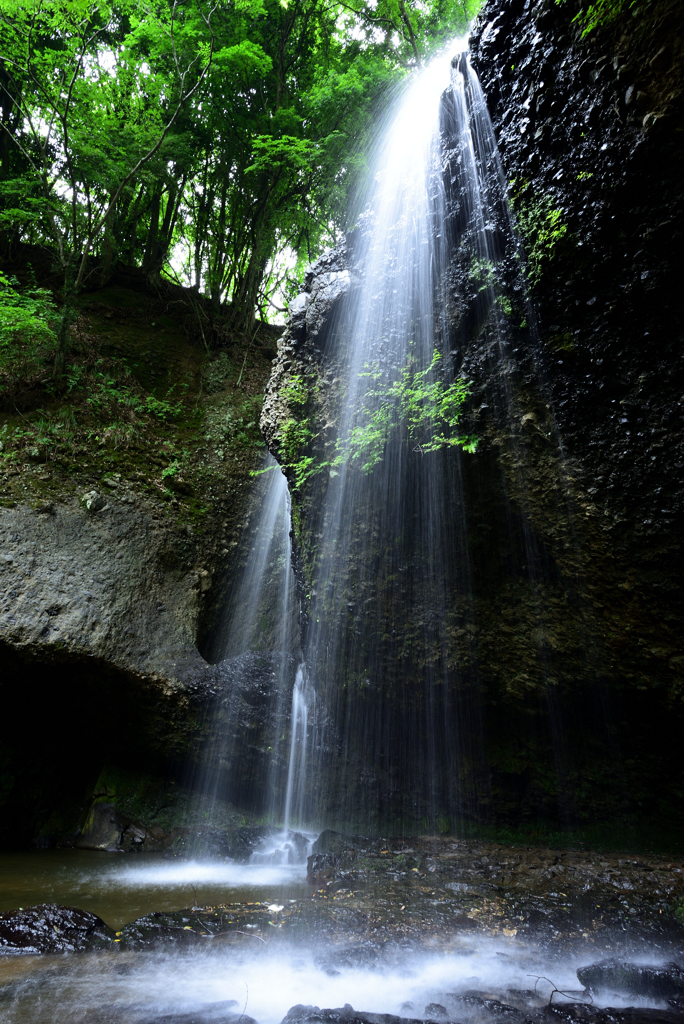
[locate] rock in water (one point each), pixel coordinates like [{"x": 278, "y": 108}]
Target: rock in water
[
  {"x": 49, "y": 928},
  {"x": 649, "y": 980},
  {"x": 212, "y": 1013},
  {"x": 342, "y": 1015}
]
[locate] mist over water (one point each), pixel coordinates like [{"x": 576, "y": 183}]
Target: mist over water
[{"x": 265, "y": 984}]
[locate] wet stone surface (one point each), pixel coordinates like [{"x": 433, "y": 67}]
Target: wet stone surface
[
  {"x": 383, "y": 906},
  {"x": 375, "y": 901},
  {"x": 616, "y": 975},
  {"x": 214, "y": 1013},
  {"x": 52, "y": 929},
  {"x": 494, "y": 1010}
]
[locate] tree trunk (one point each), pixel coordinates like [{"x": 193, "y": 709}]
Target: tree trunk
[{"x": 152, "y": 236}]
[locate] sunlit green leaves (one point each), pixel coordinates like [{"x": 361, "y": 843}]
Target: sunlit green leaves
[
  {"x": 256, "y": 173},
  {"x": 421, "y": 403}
]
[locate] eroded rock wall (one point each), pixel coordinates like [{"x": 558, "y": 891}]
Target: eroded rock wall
[
  {"x": 573, "y": 639},
  {"x": 112, "y": 585},
  {"x": 589, "y": 131}
]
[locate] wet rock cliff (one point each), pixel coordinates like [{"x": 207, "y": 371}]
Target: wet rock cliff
[
  {"x": 571, "y": 654},
  {"x": 116, "y": 550},
  {"x": 589, "y": 131}
]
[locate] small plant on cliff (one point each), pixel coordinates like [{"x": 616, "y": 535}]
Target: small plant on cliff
[
  {"x": 428, "y": 407},
  {"x": 540, "y": 225},
  {"x": 482, "y": 274},
  {"x": 296, "y": 433},
  {"x": 295, "y": 437},
  {"x": 421, "y": 402},
  {"x": 604, "y": 12}
]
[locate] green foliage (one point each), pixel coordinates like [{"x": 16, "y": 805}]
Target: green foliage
[
  {"x": 366, "y": 443},
  {"x": 296, "y": 390},
  {"x": 541, "y": 227},
  {"x": 421, "y": 401},
  {"x": 230, "y": 137},
  {"x": 431, "y": 408},
  {"x": 603, "y": 12},
  {"x": 107, "y": 389},
  {"x": 296, "y": 433},
  {"x": 295, "y": 438},
  {"x": 241, "y": 423},
  {"x": 164, "y": 408},
  {"x": 27, "y": 318},
  {"x": 482, "y": 273},
  {"x": 93, "y": 90},
  {"x": 27, "y": 332}
]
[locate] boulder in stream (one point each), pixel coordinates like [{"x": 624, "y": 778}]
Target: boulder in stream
[
  {"x": 342, "y": 1015},
  {"x": 49, "y": 928},
  {"x": 212, "y": 1013},
  {"x": 650, "y": 981}
]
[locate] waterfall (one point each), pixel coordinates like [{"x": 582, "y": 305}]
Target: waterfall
[
  {"x": 297, "y": 766},
  {"x": 259, "y": 611},
  {"x": 387, "y": 709},
  {"x": 394, "y": 619},
  {"x": 257, "y": 651},
  {"x": 255, "y": 646},
  {"x": 393, "y": 526}
]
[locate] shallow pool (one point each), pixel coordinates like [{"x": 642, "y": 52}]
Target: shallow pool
[{"x": 120, "y": 887}]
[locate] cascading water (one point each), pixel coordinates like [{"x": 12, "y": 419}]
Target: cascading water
[
  {"x": 260, "y": 613},
  {"x": 299, "y": 735},
  {"x": 257, "y": 641},
  {"x": 393, "y": 526},
  {"x": 392, "y": 632},
  {"x": 391, "y": 658}
]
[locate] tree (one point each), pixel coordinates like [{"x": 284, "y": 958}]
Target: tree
[
  {"x": 88, "y": 113},
  {"x": 234, "y": 134}
]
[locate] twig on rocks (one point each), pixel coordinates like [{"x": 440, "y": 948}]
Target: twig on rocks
[
  {"x": 251, "y": 936},
  {"x": 554, "y": 989},
  {"x": 246, "y": 998}
]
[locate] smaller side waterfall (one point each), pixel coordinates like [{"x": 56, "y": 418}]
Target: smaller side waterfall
[
  {"x": 255, "y": 650},
  {"x": 293, "y": 847},
  {"x": 299, "y": 734},
  {"x": 259, "y": 613},
  {"x": 257, "y": 726}
]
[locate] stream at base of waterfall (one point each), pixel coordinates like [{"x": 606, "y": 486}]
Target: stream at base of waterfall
[{"x": 429, "y": 928}]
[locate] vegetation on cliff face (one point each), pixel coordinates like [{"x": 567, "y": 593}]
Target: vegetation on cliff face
[
  {"x": 163, "y": 181},
  {"x": 421, "y": 405},
  {"x": 141, "y": 411},
  {"x": 604, "y": 12}
]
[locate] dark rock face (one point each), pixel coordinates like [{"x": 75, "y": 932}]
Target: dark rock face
[
  {"x": 98, "y": 646},
  {"x": 344, "y": 1015},
  {"x": 570, "y": 655},
  {"x": 589, "y": 128},
  {"x": 633, "y": 979},
  {"x": 52, "y": 929},
  {"x": 212, "y": 1013},
  {"x": 316, "y": 325},
  {"x": 85, "y": 715},
  {"x": 482, "y": 1010},
  {"x": 589, "y": 139}
]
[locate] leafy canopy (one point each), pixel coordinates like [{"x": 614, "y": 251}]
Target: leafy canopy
[{"x": 217, "y": 144}]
